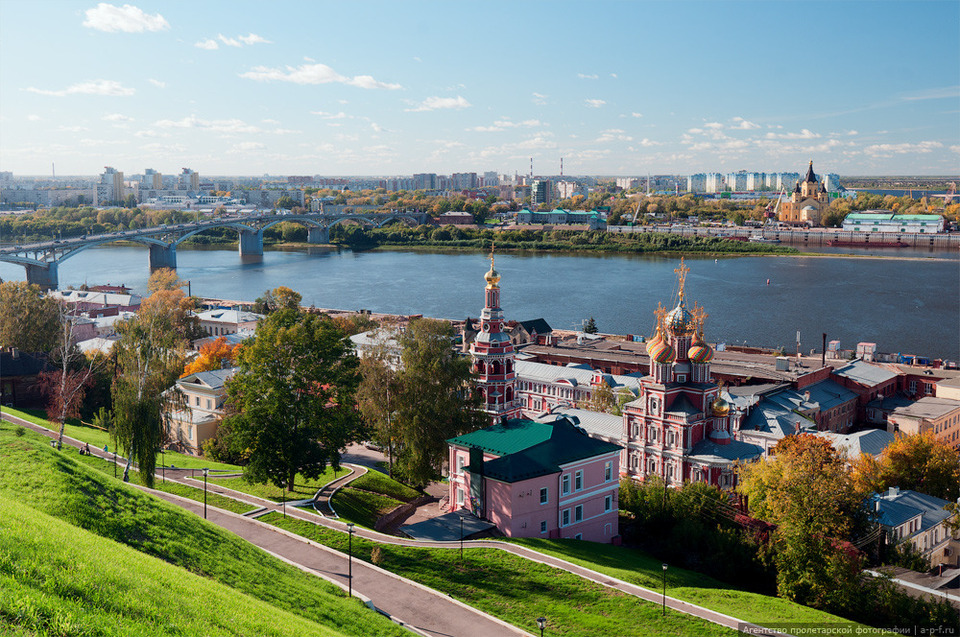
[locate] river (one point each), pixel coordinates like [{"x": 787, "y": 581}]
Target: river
[{"x": 909, "y": 305}]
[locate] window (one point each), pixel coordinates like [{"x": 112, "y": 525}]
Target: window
[
  {"x": 197, "y": 401},
  {"x": 607, "y": 503},
  {"x": 189, "y": 432},
  {"x": 565, "y": 489},
  {"x": 543, "y": 526},
  {"x": 608, "y": 472},
  {"x": 460, "y": 497},
  {"x": 578, "y": 481},
  {"x": 578, "y": 536},
  {"x": 459, "y": 464},
  {"x": 565, "y": 517},
  {"x": 208, "y": 403},
  {"x": 578, "y": 513},
  {"x": 544, "y": 496}
]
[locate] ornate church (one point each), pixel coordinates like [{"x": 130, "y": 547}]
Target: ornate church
[
  {"x": 808, "y": 203},
  {"x": 679, "y": 428}
]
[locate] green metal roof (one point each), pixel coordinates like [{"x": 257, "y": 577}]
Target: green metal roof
[{"x": 503, "y": 439}]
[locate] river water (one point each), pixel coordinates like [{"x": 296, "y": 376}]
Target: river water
[{"x": 908, "y": 304}]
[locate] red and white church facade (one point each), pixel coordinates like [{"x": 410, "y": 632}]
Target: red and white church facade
[{"x": 679, "y": 428}]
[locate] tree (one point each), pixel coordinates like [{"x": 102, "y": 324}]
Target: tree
[
  {"x": 29, "y": 320},
  {"x": 590, "y": 327},
  {"x": 918, "y": 462},
  {"x": 379, "y": 381},
  {"x": 434, "y": 400},
  {"x": 294, "y": 395},
  {"x": 280, "y": 297},
  {"x": 806, "y": 489},
  {"x": 165, "y": 279},
  {"x": 212, "y": 355}
]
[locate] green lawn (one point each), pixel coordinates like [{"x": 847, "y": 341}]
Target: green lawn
[
  {"x": 58, "y": 579},
  {"x": 637, "y": 567},
  {"x": 302, "y": 487},
  {"x": 377, "y": 482},
  {"x": 98, "y": 438},
  {"x": 518, "y": 590},
  {"x": 35, "y": 475},
  {"x": 362, "y": 507}
]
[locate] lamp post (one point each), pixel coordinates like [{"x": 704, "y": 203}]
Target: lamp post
[
  {"x": 461, "y": 537},
  {"x": 350, "y": 557},
  {"x": 664, "y": 589},
  {"x": 114, "y": 465},
  {"x": 163, "y": 465},
  {"x": 205, "y": 493},
  {"x": 283, "y": 500},
  {"x": 541, "y": 623}
]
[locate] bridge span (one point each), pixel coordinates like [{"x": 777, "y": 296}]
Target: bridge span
[{"x": 42, "y": 259}]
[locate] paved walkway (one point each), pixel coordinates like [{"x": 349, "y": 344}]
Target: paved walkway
[{"x": 433, "y": 610}]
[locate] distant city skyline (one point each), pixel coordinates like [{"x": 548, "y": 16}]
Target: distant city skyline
[{"x": 386, "y": 88}]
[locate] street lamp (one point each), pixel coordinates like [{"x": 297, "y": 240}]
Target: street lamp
[
  {"x": 541, "y": 623},
  {"x": 114, "y": 464},
  {"x": 205, "y": 471},
  {"x": 163, "y": 465},
  {"x": 350, "y": 557},
  {"x": 461, "y": 537},
  {"x": 664, "y": 589}
]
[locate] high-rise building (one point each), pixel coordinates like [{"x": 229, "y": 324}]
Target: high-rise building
[
  {"x": 425, "y": 181},
  {"x": 152, "y": 180},
  {"x": 189, "y": 180},
  {"x": 697, "y": 183},
  {"x": 490, "y": 179},
  {"x": 110, "y": 187},
  {"x": 714, "y": 182},
  {"x": 463, "y": 181},
  {"x": 541, "y": 192}
]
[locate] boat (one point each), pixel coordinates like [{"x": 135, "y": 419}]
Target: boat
[{"x": 759, "y": 238}]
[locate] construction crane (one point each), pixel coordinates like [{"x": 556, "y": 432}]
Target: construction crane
[{"x": 774, "y": 208}]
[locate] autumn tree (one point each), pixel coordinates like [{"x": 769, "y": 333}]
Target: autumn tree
[
  {"x": 29, "y": 320},
  {"x": 165, "y": 279},
  {"x": 280, "y": 297},
  {"x": 379, "y": 381},
  {"x": 294, "y": 398},
  {"x": 919, "y": 462},
  {"x": 212, "y": 356},
  {"x": 434, "y": 399},
  {"x": 805, "y": 488}
]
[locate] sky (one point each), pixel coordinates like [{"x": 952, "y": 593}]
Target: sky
[{"x": 395, "y": 88}]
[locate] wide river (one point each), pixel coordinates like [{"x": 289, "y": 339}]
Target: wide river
[{"x": 909, "y": 303}]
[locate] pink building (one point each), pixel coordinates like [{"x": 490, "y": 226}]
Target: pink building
[{"x": 537, "y": 479}]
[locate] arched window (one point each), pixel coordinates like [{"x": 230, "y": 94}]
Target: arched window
[
  {"x": 481, "y": 367},
  {"x": 508, "y": 367},
  {"x": 495, "y": 368},
  {"x": 509, "y": 394}
]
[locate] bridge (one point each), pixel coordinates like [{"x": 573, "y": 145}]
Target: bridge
[{"x": 42, "y": 259}]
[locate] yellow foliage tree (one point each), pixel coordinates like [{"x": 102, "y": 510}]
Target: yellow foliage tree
[{"x": 212, "y": 356}]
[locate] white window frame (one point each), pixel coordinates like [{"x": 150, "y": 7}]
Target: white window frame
[
  {"x": 565, "y": 517},
  {"x": 608, "y": 472},
  {"x": 578, "y": 481},
  {"x": 607, "y": 503},
  {"x": 565, "y": 484},
  {"x": 578, "y": 513},
  {"x": 460, "y": 495},
  {"x": 460, "y": 463},
  {"x": 543, "y": 526},
  {"x": 544, "y": 495}
]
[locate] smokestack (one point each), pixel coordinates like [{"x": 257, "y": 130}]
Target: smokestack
[
  {"x": 823, "y": 356},
  {"x": 561, "y": 166}
]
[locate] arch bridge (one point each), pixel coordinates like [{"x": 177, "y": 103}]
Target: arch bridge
[{"x": 42, "y": 259}]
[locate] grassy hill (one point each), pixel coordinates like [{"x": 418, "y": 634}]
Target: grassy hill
[{"x": 36, "y": 476}]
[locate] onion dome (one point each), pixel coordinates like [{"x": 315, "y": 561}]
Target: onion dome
[
  {"x": 492, "y": 277},
  {"x": 660, "y": 350},
  {"x": 700, "y": 352},
  {"x": 679, "y": 320},
  {"x": 720, "y": 407}
]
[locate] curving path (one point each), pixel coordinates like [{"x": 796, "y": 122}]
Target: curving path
[{"x": 436, "y": 614}]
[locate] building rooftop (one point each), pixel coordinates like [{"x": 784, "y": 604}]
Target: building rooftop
[
  {"x": 865, "y": 373},
  {"x": 851, "y": 446},
  {"x": 596, "y": 424},
  {"x": 214, "y": 379},
  {"x": 928, "y": 407},
  {"x": 896, "y": 506},
  {"x": 710, "y": 452},
  {"x": 229, "y": 316}
]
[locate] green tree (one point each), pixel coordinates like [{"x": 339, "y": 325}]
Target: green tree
[
  {"x": 434, "y": 400},
  {"x": 918, "y": 462},
  {"x": 590, "y": 327},
  {"x": 294, "y": 395},
  {"x": 29, "y": 320},
  {"x": 374, "y": 394}
]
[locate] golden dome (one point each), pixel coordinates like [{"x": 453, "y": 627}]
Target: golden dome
[
  {"x": 492, "y": 277},
  {"x": 720, "y": 407}
]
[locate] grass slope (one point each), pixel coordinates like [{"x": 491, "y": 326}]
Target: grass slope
[
  {"x": 518, "y": 590},
  {"x": 302, "y": 487},
  {"x": 637, "y": 567},
  {"x": 35, "y": 475},
  {"x": 362, "y": 507},
  {"x": 54, "y": 581},
  {"x": 377, "y": 482}
]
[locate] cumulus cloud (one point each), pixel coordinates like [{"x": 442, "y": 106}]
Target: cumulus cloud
[
  {"x": 613, "y": 134},
  {"x": 218, "y": 125},
  {"x": 888, "y": 150},
  {"x": 584, "y": 76},
  {"x": 128, "y": 19},
  {"x": 595, "y": 103},
  {"x": 157, "y": 83},
  {"x": 377, "y": 128},
  {"x": 207, "y": 45},
  {"x": 743, "y": 124},
  {"x": 313, "y": 74},
  {"x": 636, "y": 114},
  {"x": 109, "y": 88},
  {"x": 539, "y": 99},
  {"x": 435, "y": 103},
  {"x": 713, "y": 125},
  {"x": 33, "y": 118},
  {"x": 504, "y": 124},
  {"x": 248, "y": 146},
  {"x": 803, "y": 134},
  {"x": 325, "y": 115},
  {"x": 116, "y": 117}
]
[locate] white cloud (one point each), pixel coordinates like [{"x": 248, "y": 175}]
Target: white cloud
[
  {"x": 116, "y": 117},
  {"x": 613, "y": 134},
  {"x": 539, "y": 99},
  {"x": 435, "y": 103},
  {"x": 253, "y": 38},
  {"x": 647, "y": 143},
  {"x": 803, "y": 134},
  {"x": 377, "y": 128},
  {"x": 592, "y": 76},
  {"x": 157, "y": 83},
  {"x": 220, "y": 125},
  {"x": 636, "y": 114},
  {"x": 247, "y": 146},
  {"x": 613, "y": 75},
  {"x": 270, "y": 121},
  {"x": 96, "y": 87},
  {"x": 743, "y": 124},
  {"x": 325, "y": 115},
  {"x": 852, "y": 132},
  {"x": 33, "y": 118},
  {"x": 595, "y": 103},
  {"x": 504, "y": 124},
  {"x": 150, "y": 133},
  {"x": 313, "y": 74},
  {"x": 713, "y": 125},
  {"x": 128, "y": 19},
  {"x": 955, "y": 149},
  {"x": 73, "y": 129},
  {"x": 888, "y": 150},
  {"x": 207, "y": 45}
]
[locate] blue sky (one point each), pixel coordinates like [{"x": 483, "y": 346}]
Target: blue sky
[{"x": 393, "y": 88}]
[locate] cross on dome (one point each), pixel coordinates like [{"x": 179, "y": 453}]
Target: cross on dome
[{"x": 682, "y": 275}]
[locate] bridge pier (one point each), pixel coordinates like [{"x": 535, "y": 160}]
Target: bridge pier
[
  {"x": 316, "y": 234},
  {"x": 43, "y": 275},
  {"x": 251, "y": 243},
  {"x": 163, "y": 257}
]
